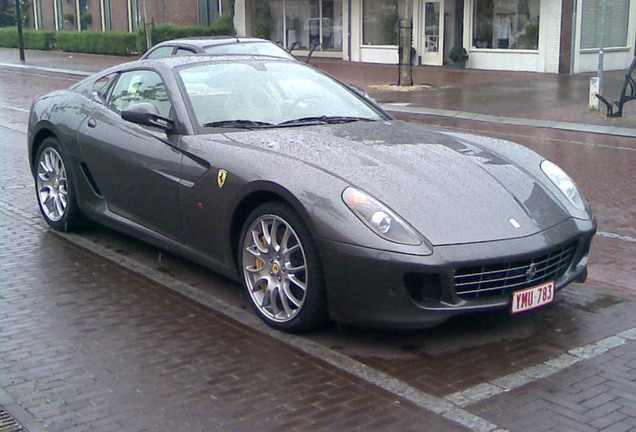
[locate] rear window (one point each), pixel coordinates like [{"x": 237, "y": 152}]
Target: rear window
[
  {"x": 255, "y": 48},
  {"x": 164, "y": 51}
]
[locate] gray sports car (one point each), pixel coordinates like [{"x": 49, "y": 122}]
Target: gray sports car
[{"x": 271, "y": 172}]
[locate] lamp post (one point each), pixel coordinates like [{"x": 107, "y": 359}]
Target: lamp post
[{"x": 18, "y": 19}]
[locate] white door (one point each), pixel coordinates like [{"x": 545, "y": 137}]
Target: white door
[{"x": 431, "y": 32}]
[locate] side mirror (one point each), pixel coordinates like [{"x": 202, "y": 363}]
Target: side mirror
[
  {"x": 146, "y": 114},
  {"x": 97, "y": 98}
]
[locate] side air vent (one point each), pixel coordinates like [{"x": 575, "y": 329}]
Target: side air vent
[{"x": 91, "y": 180}]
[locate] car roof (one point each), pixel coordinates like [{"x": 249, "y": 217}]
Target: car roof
[
  {"x": 207, "y": 41},
  {"x": 173, "y": 62}
]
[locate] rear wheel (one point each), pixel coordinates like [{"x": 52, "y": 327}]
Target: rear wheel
[
  {"x": 280, "y": 269},
  {"x": 54, "y": 187}
]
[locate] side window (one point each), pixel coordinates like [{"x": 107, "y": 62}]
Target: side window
[
  {"x": 140, "y": 86},
  {"x": 184, "y": 52},
  {"x": 164, "y": 51},
  {"x": 102, "y": 85}
]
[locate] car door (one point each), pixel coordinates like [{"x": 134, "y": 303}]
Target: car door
[{"x": 136, "y": 168}]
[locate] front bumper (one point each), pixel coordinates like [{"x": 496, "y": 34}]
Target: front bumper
[{"x": 371, "y": 287}]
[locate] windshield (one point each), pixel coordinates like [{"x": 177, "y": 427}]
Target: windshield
[
  {"x": 264, "y": 93},
  {"x": 256, "y": 48}
]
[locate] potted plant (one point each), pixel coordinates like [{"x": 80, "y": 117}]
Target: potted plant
[{"x": 459, "y": 55}]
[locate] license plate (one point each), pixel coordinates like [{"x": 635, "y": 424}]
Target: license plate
[{"x": 531, "y": 298}]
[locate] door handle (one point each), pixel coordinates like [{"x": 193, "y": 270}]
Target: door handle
[{"x": 91, "y": 122}]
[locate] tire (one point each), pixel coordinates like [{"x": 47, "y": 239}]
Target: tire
[
  {"x": 54, "y": 187},
  {"x": 281, "y": 273}
]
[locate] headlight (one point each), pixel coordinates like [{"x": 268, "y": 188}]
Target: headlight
[
  {"x": 564, "y": 183},
  {"x": 380, "y": 218}
]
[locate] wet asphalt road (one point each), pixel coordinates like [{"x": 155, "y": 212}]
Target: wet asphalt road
[{"x": 457, "y": 356}]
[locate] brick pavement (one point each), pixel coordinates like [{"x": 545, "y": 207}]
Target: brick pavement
[
  {"x": 87, "y": 345},
  {"x": 501, "y": 343},
  {"x": 599, "y": 394}
]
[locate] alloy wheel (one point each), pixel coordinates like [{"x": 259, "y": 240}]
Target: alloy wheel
[
  {"x": 52, "y": 184},
  {"x": 275, "y": 268}
]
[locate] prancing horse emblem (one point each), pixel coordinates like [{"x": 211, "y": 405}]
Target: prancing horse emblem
[
  {"x": 531, "y": 272},
  {"x": 220, "y": 179}
]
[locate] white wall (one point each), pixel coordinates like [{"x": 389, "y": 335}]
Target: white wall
[
  {"x": 545, "y": 59},
  {"x": 613, "y": 59}
]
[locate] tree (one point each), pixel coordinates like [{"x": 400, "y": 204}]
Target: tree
[{"x": 7, "y": 12}]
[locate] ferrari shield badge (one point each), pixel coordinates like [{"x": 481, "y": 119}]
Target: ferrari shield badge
[{"x": 220, "y": 179}]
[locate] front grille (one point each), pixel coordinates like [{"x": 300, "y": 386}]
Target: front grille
[{"x": 501, "y": 279}]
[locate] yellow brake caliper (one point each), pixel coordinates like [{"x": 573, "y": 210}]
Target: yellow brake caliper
[{"x": 260, "y": 264}]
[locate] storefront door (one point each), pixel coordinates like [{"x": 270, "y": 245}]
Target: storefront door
[{"x": 431, "y": 32}]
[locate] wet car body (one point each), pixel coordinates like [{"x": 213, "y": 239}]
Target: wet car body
[
  {"x": 479, "y": 207},
  {"x": 219, "y": 45}
]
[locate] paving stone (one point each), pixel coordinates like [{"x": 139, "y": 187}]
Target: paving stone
[{"x": 90, "y": 346}]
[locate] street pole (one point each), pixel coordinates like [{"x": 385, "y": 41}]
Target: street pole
[
  {"x": 147, "y": 31},
  {"x": 18, "y": 19},
  {"x": 406, "y": 42},
  {"x": 601, "y": 53}
]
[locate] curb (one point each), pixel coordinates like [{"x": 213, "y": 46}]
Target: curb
[{"x": 513, "y": 121}]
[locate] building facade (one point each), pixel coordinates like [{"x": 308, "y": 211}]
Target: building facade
[
  {"x": 122, "y": 15},
  {"x": 548, "y": 36}
]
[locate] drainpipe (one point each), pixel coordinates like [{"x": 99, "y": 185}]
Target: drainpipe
[
  {"x": 349, "y": 31},
  {"x": 601, "y": 53},
  {"x": 573, "y": 42}
]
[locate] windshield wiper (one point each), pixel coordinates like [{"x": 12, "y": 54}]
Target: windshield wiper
[
  {"x": 323, "y": 120},
  {"x": 241, "y": 124}
]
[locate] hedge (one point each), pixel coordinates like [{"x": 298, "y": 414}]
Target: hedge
[
  {"x": 222, "y": 26},
  {"x": 33, "y": 39},
  {"x": 110, "y": 42},
  {"x": 95, "y": 42}
]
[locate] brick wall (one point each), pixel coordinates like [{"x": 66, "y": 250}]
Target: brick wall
[
  {"x": 93, "y": 8},
  {"x": 182, "y": 12},
  {"x": 566, "y": 36},
  {"x": 48, "y": 16},
  {"x": 120, "y": 15}
]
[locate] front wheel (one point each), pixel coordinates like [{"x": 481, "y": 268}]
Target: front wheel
[
  {"x": 54, "y": 187},
  {"x": 280, "y": 269}
]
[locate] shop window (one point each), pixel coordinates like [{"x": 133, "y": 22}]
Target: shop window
[
  {"x": 616, "y": 23},
  {"x": 380, "y": 22},
  {"x": 108, "y": 15},
  {"x": 208, "y": 11},
  {"x": 301, "y": 24},
  {"x": 135, "y": 14},
  {"x": 59, "y": 16},
  {"x": 506, "y": 24},
  {"x": 37, "y": 11}
]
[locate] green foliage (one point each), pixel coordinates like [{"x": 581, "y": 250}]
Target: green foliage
[
  {"x": 110, "y": 43},
  {"x": 70, "y": 18},
  {"x": 33, "y": 39},
  {"x": 7, "y": 12},
  {"x": 264, "y": 23},
  {"x": 86, "y": 20},
  {"x": 222, "y": 25},
  {"x": 458, "y": 54}
]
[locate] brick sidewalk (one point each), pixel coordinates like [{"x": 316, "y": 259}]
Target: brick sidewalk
[
  {"x": 597, "y": 395},
  {"x": 89, "y": 346}
]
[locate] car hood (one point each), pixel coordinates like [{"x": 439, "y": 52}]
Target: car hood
[{"x": 450, "y": 188}]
